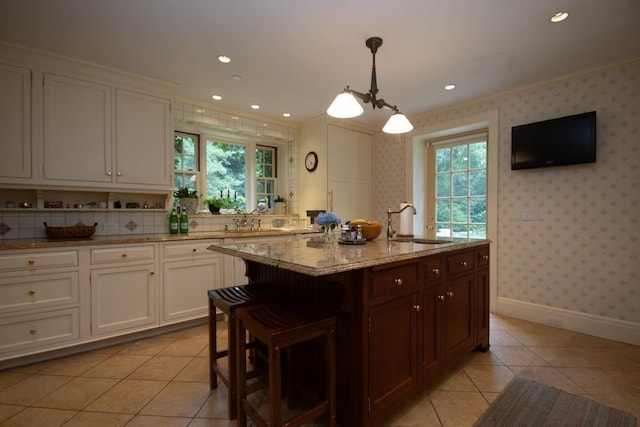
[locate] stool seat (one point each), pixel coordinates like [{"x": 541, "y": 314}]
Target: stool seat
[
  {"x": 279, "y": 326},
  {"x": 228, "y": 300}
]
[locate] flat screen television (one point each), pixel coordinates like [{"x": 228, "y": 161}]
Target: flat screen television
[{"x": 556, "y": 142}]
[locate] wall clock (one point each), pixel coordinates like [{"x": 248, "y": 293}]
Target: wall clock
[{"x": 311, "y": 161}]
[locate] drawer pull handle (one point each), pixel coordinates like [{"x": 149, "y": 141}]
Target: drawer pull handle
[
  {"x": 450, "y": 294},
  {"x": 485, "y": 257},
  {"x": 151, "y": 273},
  {"x": 440, "y": 297},
  {"x": 124, "y": 255},
  {"x": 435, "y": 271},
  {"x": 31, "y": 262},
  {"x": 194, "y": 249},
  {"x": 464, "y": 263},
  {"x": 33, "y": 331},
  {"x": 32, "y": 292},
  {"x": 416, "y": 307},
  {"x": 397, "y": 282},
  {"x": 109, "y": 173}
]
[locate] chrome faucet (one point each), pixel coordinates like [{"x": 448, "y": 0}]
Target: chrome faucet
[{"x": 390, "y": 230}]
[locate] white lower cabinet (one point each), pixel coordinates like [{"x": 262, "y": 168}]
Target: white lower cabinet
[
  {"x": 123, "y": 298},
  {"x": 124, "y": 294},
  {"x": 189, "y": 271},
  {"x": 39, "y": 301}
]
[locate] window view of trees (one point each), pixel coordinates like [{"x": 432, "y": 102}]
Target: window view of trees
[
  {"x": 226, "y": 173},
  {"x": 185, "y": 160},
  {"x": 219, "y": 170},
  {"x": 461, "y": 190}
]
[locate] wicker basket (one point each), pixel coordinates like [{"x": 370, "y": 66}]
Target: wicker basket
[{"x": 70, "y": 232}]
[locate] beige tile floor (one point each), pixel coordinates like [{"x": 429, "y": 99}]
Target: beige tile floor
[{"x": 163, "y": 381}]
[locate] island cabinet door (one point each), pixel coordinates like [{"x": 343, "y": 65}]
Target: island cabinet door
[
  {"x": 458, "y": 317},
  {"x": 392, "y": 352}
]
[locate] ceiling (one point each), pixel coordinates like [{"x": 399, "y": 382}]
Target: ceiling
[{"x": 295, "y": 55}]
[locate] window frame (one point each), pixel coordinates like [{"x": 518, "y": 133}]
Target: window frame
[{"x": 250, "y": 145}]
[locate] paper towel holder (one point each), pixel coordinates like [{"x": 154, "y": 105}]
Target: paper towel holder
[{"x": 390, "y": 230}]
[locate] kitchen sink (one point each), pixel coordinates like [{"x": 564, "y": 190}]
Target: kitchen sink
[{"x": 423, "y": 241}]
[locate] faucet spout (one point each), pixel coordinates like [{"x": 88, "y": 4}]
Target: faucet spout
[{"x": 390, "y": 230}]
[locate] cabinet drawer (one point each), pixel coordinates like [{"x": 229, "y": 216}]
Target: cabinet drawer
[
  {"x": 35, "y": 260},
  {"x": 392, "y": 280},
  {"x": 483, "y": 256},
  {"x": 32, "y": 292},
  {"x": 35, "y": 331},
  {"x": 433, "y": 267},
  {"x": 195, "y": 249},
  {"x": 122, "y": 254},
  {"x": 459, "y": 263}
]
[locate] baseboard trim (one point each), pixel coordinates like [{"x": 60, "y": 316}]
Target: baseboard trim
[{"x": 590, "y": 324}]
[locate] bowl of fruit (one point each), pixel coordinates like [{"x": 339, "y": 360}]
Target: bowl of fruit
[{"x": 370, "y": 229}]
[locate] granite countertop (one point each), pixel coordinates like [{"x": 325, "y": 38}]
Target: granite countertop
[
  {"x": 316, "y": 258},
  {"x": 41, "y": 243}
]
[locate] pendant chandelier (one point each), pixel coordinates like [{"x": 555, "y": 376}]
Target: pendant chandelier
[{"x": 345, "y": 106}]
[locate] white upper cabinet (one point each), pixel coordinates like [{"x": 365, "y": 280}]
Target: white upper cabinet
[
  {"x": 349, "y": 173},
  {"x": 15, "y": 122},
  {"x": 143, "y": 139},
  {"x": 77, "y": 130},
  {"x": 64, "y": 123}
]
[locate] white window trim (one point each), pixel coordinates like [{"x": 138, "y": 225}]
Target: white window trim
[{"x": 415, "y": 160}]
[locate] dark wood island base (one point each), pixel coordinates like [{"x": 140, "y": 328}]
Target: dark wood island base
[{"x": 400, "y": 323}]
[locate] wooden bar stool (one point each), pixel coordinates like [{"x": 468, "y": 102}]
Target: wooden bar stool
[
  {"x": 228, "y": 300},
  {"x": 280, "y": 326}
]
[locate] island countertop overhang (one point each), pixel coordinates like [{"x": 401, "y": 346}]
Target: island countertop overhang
[{"x": 314, "y": 257}]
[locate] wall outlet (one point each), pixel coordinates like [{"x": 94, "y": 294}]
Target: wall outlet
[{"x": 554, "y": 321}]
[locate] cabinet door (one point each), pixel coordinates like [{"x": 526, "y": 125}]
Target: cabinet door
[
  {"x": 392, "y": 351},
  {"x": 235, "y": 271},
  {"x": 349, "y": 172},
  {"x": 77, "y": 130},
  {"x": 458, "y": 318},
  {"x": 123, "y": 298},
  {"x": 432, "y": 311},
  {"x": 186, "y": 284},
  {"x": 143, "y": 139},
  {"x": 15, "y": 121},
  {"x": 481, "y": 309}
]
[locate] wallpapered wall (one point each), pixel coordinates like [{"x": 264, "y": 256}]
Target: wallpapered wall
[{"x": 582, "y": 255}]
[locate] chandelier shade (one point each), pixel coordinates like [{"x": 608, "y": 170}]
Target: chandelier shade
[
  {"x": 397, "y": 123},
  {"x": 346, "y": 106}
]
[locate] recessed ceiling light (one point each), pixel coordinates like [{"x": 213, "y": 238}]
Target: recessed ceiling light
[
  {"x": 255, "y": 106},
  {"x": 286, "y": 114},
  {"x": 450, "y": 87},
  {"x": 236, "y": 77},
  {"x": 216, "y": 97},
  {"x": 235, "y": 118},
  {"x": 224, "y": 59},
  {"x": 559, "y": 17}
]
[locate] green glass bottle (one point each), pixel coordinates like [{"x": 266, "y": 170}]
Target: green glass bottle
[
  {"x": 173, "y": 222},
  {"x": 184, "y": 221}
]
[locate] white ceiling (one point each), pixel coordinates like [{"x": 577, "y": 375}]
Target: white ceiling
[{"x": 296, "y": 55}]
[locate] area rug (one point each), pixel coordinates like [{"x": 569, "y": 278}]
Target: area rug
[{"x": 525, "y": 402}]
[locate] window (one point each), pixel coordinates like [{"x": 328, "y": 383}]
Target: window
[
  {"x": 460, "y": 179},
  {"x": 226, "y": 172},
  {"x": 185, "y": 160},
  {"x": 266, "y": 175},
  {"x": 219, "y": 168}
]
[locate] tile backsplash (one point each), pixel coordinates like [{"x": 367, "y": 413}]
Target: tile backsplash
[{"x": 23, "y": 224}]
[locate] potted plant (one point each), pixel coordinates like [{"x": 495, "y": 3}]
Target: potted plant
[
  {"x": 214, "y": 203},
  {"x": 188, "y": 199},
  {"x": 280, "y": 205}
]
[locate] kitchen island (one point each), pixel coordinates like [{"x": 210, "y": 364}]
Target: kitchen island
[{"x": 406, "y": 311}]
